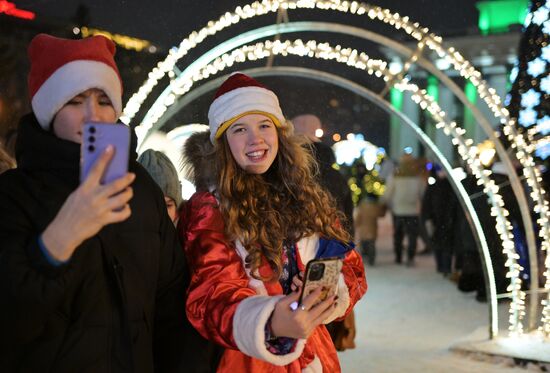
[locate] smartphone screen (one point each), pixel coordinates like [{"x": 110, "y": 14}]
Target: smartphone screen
[
  {"x": 324, "y": 273},
  {"x": 95, "y": 139}
]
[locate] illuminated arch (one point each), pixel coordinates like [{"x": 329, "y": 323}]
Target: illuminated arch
[
  {"x": 375, "y": 98},
  {"x": 184, "y": 82},
  {"x": 377, "y": 67},
  {"x": 431, "y": 41}
]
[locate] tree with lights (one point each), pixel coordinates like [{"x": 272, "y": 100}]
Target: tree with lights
[{"x": 529, "y": 100}]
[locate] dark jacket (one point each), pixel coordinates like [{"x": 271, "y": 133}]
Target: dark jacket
[
  {"x": 439, "y": 205},
  {"x": 334, "y": 182},
  {"x": 119, "y": 298}
]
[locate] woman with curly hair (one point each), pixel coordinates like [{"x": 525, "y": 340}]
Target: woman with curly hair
[{"x": 249, "y": 231}]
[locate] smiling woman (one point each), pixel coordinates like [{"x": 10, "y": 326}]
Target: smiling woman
[
  {"x": 249, "y": 238},
  {"x": 253, "y": 142}
]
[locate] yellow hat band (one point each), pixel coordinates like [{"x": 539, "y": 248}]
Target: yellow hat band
[{"x": 225, "y": 125}]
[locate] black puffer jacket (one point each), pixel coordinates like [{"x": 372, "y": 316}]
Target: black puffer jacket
[{"x": 119, "y": 298}]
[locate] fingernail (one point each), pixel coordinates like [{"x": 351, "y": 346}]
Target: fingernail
[{"x": 109, "y": 149}]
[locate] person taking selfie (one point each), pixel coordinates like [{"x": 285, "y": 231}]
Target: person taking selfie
[
  {"x": 91, "y": 274},
  {"x": 249, "y": 236}
]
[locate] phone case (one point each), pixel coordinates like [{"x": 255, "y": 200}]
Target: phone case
[
  {"x": 95, "y": 139},
  {"x": 329, "y": 278}
]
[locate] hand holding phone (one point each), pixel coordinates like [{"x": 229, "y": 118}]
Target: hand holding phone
[
  {"x": 95, "y": 139},
  {"x": 321, "y": 273},
  {"x": 297, "y": 315},
  {"x": 93, "y": 204}
]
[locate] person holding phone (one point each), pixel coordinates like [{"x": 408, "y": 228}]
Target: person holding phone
[
  {"x": 250, "y": 235},
  {"x": 91, "y": 274}
]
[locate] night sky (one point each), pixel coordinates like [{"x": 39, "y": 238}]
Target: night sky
[{"x": 166, "y": 22}]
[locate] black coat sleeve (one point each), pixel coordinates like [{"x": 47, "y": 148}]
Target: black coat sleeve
[
  {"x": 30, "y": 287},
  {"x": 171, "y": 326}
]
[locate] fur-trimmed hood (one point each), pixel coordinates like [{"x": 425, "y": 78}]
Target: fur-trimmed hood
[{"x": 198, "y": 161}]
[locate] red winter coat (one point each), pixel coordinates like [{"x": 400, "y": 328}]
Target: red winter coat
[{"x": 226, "y": 305}]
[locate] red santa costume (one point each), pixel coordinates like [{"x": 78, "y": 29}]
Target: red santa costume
[{"x": 225, "y": 303}]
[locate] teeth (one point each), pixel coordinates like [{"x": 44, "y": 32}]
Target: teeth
[{"x": 256, "y": 154}]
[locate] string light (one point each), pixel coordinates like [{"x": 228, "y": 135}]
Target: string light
[
  {"x": 503, "y": 226},
  {"x": 312, "y": 48},
  {"x": 521, "y": 145},
  {"x": 379, "y": 68}
]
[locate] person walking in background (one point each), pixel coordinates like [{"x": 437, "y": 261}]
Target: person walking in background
[
  {"x": 439, "y": 205},
  {"x": 307, "y": 125},
  {"x": 366, "y": 216},
  {"x": 91, "y": 275},
  {"x": 403, "y": 194},
  {"x": 165, "y": 175},
  {"x": 251, "y": 234}
]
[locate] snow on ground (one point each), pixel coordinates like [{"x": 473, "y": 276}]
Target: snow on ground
[{"x": 410, "y": 317}]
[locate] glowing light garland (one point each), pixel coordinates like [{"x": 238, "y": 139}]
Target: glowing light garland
[
  {"x": 320, "y": 50},
  {"x": 522, "y": 148},
  {"x": 504, "y": 228},
  {"x": 379, "y": 68},
  {"x": 541, "y": 148}
]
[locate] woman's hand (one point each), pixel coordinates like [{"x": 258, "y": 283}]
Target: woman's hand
[
  {"x": 88, "y": 209},
  {"x": 297, "y": 282},
  {"x": 300, "y": 323}
]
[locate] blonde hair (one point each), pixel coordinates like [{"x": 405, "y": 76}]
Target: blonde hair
[{"x": 282, "y": 205}]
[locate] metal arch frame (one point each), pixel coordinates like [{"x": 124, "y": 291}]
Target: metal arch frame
[
  {"x": 271, "y": 30},
  {"x": 373, "y": 97}
]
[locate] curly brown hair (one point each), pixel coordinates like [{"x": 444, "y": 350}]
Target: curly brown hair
[{"x": 284, "y": 204}]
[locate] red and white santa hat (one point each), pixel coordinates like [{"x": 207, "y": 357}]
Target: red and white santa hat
[
  {"x": 64, "y": 68},
  {"x": 238, "y": 96}
]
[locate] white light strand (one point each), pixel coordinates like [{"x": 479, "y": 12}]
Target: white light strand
[
  {"x": 253, "y": 10},
  {"x": 523, "y": 151},
  {"x": 519, "y": 143},
  {"x": 379, "y": 68},
  {"x": 503, "y": 226},
  {"x": 544, "y": 235},
  {"x": 350, "y": 57}
]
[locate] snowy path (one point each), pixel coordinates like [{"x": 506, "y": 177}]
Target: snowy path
[{"x": 411, "y": 316}]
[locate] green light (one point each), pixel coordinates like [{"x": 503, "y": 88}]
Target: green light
[
  {"x": 469, "y": 120},
  {"x": 497, "y": 15},
  {"x": 433, "y": 87},
  {"x": 396, "y": 98},
  {"x": 471, "y": 92}
]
